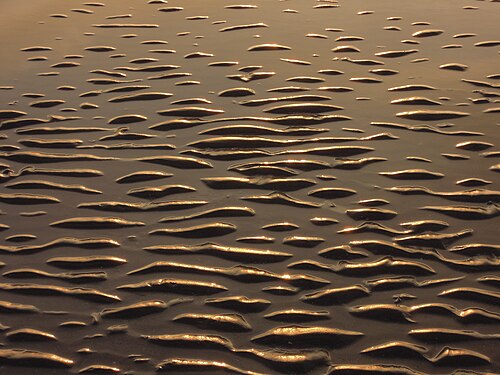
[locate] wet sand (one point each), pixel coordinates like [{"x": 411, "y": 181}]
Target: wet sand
[{"x": 255, "y": 188}]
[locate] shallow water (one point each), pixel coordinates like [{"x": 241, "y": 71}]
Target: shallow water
[{"x": 256, "y": 188}]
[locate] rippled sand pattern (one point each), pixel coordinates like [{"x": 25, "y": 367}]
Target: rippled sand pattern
[{"x": 253, "y": 188}]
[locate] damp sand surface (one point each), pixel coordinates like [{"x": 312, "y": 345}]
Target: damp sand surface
[{"x": 264, "y": 187}]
